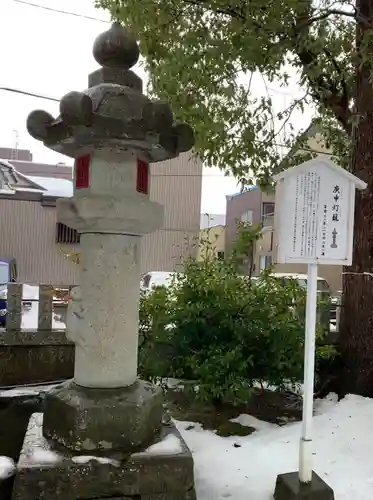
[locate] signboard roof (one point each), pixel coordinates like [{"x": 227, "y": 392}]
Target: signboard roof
[
  {"x": 321, "y": 161},
  {"x": 314, "y": 213}
]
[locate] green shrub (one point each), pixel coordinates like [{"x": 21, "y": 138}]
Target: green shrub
[
  {"x": 154, "y": 346},
  {"x": 226, "y": 333}
]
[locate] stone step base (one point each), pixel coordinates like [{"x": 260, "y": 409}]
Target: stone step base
[
  {"x": 183, "y": 495},
  {"x": 288, "y": 487},
  {"x": 162, "y": 472}
]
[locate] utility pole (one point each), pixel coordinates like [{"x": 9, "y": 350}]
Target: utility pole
[{"x": 14, "y": 154}]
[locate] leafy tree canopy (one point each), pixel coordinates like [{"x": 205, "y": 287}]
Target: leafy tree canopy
[{"x": 202, "y": 55}]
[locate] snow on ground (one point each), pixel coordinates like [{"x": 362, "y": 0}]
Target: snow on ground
[
  {"x": 171, "y": 445},
  {"x": 85, "y": 459},
  {"x": 246, "y": 467},
  {"x": 7, "y": 467},
  {"x": 249, "y": 421},
  {"x": 26, "y": 390},
  {"x": 43, "y": 457}
]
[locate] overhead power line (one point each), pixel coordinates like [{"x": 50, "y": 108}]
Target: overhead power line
[
  {"x": 48, "y": 98},
  {"x": 31, "y": 94},
  {"x": 60, "y": 11},
  {"x": 92, "y": 18},
  {"x": 152, "y": 175}
]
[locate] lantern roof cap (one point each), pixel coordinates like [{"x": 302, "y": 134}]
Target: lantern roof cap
[{"x": 112, "y": 112}]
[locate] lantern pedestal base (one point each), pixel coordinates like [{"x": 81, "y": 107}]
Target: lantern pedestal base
[
  {"x": 162, "y": 472},
  {"x": 84, "y": 420},
  {"x": 288, "y": 487}
]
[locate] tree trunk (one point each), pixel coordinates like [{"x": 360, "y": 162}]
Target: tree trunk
[{"x": 356, "y": 332}]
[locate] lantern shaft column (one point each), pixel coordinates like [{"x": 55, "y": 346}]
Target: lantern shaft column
[
  {"x": 103, "y": 316},
  {"x": 106, "y": 338}
]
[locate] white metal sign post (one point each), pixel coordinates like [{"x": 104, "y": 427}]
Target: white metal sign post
[
  {"x": 314, "y": 218},
  {"x": 305, "y": 449}
]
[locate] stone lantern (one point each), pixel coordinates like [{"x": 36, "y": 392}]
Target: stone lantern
[{"x": 98, "y": 426}]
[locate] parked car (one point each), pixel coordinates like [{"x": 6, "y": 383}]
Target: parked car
[
  {"x": 302, "y": 279},
  {"x": 153, "y": 279},
  {"x": 3, "y": 306},
  {"x": 335, "y": 311},
  {"x": 61, "y": 297},
  {"x": 8, "y": 273},
  {"x": 328, "y": 314}
]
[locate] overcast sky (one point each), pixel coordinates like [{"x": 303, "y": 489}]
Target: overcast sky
[{"x": 50, "y": 53}]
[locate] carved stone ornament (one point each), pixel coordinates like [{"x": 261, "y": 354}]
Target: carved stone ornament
[{"x": 113, "y": 111}]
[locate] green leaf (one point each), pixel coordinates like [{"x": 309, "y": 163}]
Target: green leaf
[
  {"x": 208, "y": 59},
  {"x": 224, "y": 332}
]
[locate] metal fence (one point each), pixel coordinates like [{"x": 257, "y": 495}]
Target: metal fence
[{"x": 51, "y": 307}]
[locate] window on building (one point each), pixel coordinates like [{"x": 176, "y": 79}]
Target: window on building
[
  {"x": 268, "y": 208},
  {"x": 265, "y": 261},
  {"x": 247, "y": 217},
  {"x": 221, "y": 255},
  {"x": 66, "y": 235}
]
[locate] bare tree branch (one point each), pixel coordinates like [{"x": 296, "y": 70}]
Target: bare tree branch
[
  {"x": 331, "y": 12},
  {"x": 288, "y": 111},
  {"x": 325, "y": 89},
  {"x": 228, "y": 11},
  {"x": 355, "y": 14}
]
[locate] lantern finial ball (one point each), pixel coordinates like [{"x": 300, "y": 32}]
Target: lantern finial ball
[{"x": 116, "y": 48}]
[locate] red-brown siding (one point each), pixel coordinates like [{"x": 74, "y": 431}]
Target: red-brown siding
[{"x": 236, "y": 206}]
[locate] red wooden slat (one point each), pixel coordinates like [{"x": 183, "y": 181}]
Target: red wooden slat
[
  {"x": 82, "y": 172},
  {"x": 142, "y": 181}
]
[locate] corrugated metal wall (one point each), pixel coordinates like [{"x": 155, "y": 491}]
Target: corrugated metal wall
[
  {"x": 27, "y": 230},
  {"x": 27, "y": 233},
  {"x": 177, "y": 185}
]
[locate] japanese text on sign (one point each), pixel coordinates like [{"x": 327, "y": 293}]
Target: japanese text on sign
[
  {"x": 318, "y": 219},
  {"x": 305, "y": 211},
  {"x": 335, "y": 215},
  {"x": 323, "y": 230}
]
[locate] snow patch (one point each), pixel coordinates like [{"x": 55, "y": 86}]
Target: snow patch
[
  {"x": 249, "y": 421},
  {"x": 174, "y": 383},
  {"x": 26, "y": 391},
  {"x": 39, "y": 456},
  {"x": 170, "y": 445},
  {"x": 186, "y": 426},
  {"x": 322, "y": 406},
  {"x": 7, "y": 467},
  {"x": 84, "y": 459}
]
